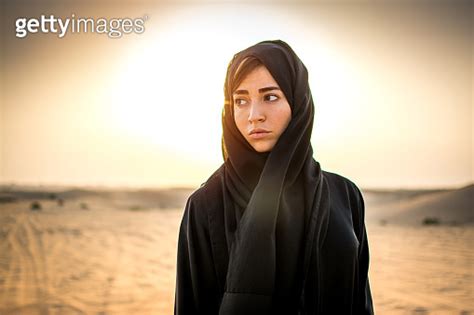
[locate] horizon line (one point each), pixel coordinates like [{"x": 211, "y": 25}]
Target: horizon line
[{"x": 53, "y": 186}]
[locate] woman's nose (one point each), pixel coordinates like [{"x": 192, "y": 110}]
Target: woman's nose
[{"x": 256, "y": 113}]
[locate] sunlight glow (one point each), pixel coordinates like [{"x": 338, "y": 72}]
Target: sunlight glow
[{"x": 170, "y": 91}]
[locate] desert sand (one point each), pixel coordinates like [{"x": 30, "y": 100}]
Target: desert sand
[{"x": 114, "y": 252}]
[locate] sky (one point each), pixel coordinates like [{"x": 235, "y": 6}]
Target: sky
[{"x": 392, "y": 83}]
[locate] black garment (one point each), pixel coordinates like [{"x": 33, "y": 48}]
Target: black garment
[
  {"x": 203, "y": 255},
  {"x": 268, "y": 215},
  {"x": 270, "y": 198}
]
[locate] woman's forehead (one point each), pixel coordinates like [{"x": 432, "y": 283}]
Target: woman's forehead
[{"x": 256, "y": 79}]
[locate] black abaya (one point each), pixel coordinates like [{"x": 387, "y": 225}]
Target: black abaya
[
  {"x": 203, "y": 255},
  {"x": 260, "y": 224}
]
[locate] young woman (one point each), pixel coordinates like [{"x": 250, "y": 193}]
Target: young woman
[{"x": 270, "y": 232}]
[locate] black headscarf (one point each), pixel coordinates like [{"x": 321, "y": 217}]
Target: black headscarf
[{"x": 276, "y": 203}]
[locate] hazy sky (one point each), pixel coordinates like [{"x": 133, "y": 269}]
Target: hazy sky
[{"x": 392, "y": 84}]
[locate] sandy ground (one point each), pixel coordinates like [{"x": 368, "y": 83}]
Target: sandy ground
[
  {"x": 422, "y": 270},
  {"x": 110, "y": 259},
  {"x": 67, "y": 260}
]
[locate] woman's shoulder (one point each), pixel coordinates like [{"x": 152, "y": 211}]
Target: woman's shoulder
[
  {"x": 206, "y": 198},
  {"x": 347, "y": 194},
  {"x": 211, "y": 188},
  {"x": 201, "y": 203},
  {"x": 341, "y": 182}
]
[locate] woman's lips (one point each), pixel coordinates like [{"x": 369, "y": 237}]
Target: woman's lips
[{"x": 259, "y": 135}]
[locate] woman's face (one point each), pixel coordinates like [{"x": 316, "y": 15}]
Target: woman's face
[{"x": 261, "y": 110}]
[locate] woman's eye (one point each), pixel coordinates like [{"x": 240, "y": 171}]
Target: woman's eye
[
  {"x": 239, "y": 101},
  {"x": 271, "y": 97}
]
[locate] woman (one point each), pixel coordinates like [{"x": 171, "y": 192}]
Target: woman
[{"x": 270, "y": 232}]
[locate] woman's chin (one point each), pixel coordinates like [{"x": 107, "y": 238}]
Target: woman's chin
[{"x": 262, "y": 147}]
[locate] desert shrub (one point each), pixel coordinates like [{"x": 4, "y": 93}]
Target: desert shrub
[
  {"x": 35, "y": 205},
  {"x": 431, "y": 221}
]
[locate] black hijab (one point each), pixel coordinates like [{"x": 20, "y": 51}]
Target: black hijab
[{"x": 276, "y": 203}]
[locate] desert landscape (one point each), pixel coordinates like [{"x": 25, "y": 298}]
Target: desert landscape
[{"x": 113, "y": 251}]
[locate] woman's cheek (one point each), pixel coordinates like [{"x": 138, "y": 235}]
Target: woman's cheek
[
  {"x": 240, "y": 121},
  {"x": 240, "y": 115}
]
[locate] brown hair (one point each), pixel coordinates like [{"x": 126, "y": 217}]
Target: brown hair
[{"x": 236, "y": 74}]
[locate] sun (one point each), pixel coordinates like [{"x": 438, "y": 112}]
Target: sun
[
  {"x": 167, "y": 90},
  {"x": 169, "y": 98}
]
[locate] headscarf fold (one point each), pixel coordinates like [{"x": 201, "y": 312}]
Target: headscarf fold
[{"x": 276, "y": 203}]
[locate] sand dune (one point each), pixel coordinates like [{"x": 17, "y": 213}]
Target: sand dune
[
  {"x": 413, "y": 207},
  {"x": 119, "y": 198},
  {"x": 114, "y": 252}
]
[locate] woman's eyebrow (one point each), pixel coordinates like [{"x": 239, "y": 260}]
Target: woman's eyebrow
[{"x": 262, "y": 90}]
